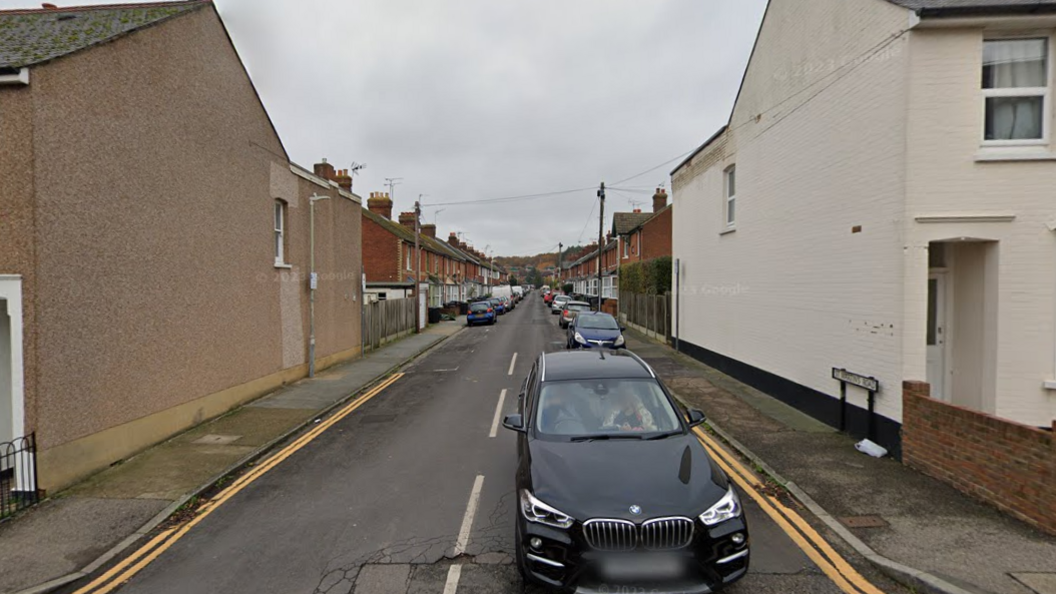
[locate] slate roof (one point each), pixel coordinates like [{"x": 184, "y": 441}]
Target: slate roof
[
  {"x": 624, "y": 222},
  {"x": 967, "y": 7},
  {"x": 33, "y": 36}
]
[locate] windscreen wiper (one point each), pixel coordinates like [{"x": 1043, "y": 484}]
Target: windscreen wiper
[
  {"x": 663, "y": 435},
  {"x": 605, "y": 437}
]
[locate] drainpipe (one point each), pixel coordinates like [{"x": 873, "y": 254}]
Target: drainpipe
[{"x": 313, "y": 282}]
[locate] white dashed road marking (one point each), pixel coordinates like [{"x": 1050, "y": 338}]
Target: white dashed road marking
[
  {"x": 471, "y": 512},
  {"x": 512, "y": 363},
  {"x": 452, "y": 579},
  {"x": 498, "y": 414}
]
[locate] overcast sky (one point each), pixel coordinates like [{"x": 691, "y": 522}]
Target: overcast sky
[{"x": 476, "y": 99}]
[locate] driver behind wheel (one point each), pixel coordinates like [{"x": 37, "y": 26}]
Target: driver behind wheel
[
  {"x": 558, "y": 415},
  {"x": 630, "y": 414}
]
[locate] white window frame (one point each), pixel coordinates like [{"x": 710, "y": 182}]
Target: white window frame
[
  {"x": 279, "y": 218},
  {"x": 731, "y": 171},
  {"x": 1045, "y": 92},
  {"x": 626, "y": 246},
  {"x": 407, "y": 259}
]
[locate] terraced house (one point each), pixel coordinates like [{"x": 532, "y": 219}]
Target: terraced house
[
  {"x": 154, "y": 236},
  {"x": 881, "y": 202}
]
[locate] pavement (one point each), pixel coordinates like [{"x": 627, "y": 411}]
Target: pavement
[
  {"x": 79, "y": 530},
  {"x": 915, "y": 528},
  {"x": 406, "y": 489}
]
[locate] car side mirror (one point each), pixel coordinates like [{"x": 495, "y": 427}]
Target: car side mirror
[
  {"x": 696, "y": 418},
  {"x": 514, "y": 422},
  {"x": 623, "y": 328}
]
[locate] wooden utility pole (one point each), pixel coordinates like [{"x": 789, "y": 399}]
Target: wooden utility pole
[
  {"x": 601, "y": 237},
  {"x": 418, "y": 267}
]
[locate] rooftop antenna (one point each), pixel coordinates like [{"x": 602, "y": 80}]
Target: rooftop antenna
[{"x": 392, "y": 182}]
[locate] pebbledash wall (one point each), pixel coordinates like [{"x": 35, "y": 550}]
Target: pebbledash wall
[
  {"x": 139, "y": 214},
  {"x": 1009, "y": 465},
  {"x": 789, "y": 291}
]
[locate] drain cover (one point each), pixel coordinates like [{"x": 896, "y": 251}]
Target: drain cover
[
  {"x": 863, "y": 522},
  {"x": 212, "y": 439}
]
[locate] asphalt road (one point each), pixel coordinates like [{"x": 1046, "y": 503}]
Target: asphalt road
[{"x": 383, "y": 501}]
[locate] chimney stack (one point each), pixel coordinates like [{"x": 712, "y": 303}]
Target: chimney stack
[
  {"x": 453, "y": 239},
  {"x": 659, "y": 199},
  {"x": 407, "y": 220},
  {"x": 429, "y": 230},
  {"x": 379, "y": 203},
  {"x": 324, "y": 170},
  {"x": 344, "y": 180}
]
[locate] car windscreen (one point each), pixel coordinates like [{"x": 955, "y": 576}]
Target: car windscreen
[
  {"x": 597, "y": 322},
  {"x": 605, "y": 407},
  {"x": 480, "y": 307}
]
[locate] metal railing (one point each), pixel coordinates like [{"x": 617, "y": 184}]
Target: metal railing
[{"x": 18, "y": 475}]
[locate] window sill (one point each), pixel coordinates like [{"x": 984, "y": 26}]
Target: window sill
[
  {"x": 284, "y": 266},
  {"x": 1005, "y": 155},
  {"x": 1050, "y": 385},
  {"x": 728, "y": 230}
]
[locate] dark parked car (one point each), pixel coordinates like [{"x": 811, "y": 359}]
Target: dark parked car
[
  {"x": 591, "y": 330},
  {"x": 480, "y": 312},
  {"x": 614, "y": 490}
]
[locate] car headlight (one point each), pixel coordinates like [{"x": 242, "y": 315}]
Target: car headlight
[
  {"x": 619, "y": 340},
  {"x": 727, "y": 508},
  {"x": 579, "y": 338},
  {"x": 541, "y": 513}
]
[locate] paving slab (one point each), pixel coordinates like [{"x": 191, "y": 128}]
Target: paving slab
[{"x": 66, "y": 534}]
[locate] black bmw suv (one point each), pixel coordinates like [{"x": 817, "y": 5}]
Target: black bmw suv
[{"x": 613, "y": 487}]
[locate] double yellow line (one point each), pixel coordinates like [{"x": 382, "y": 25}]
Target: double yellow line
[
  {"x": 134, "y": 563},
  {"x": 806, "y": 538}
]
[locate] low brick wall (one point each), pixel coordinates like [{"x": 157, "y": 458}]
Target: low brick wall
[{"x": 1009, "y": 465}]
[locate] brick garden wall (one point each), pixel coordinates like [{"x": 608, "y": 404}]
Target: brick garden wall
[{"x": 1009, "y": 465}]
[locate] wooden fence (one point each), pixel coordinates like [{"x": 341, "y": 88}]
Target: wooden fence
[
  {"x": 384, "y": 321},
  {"x": 650, "y": 314}
]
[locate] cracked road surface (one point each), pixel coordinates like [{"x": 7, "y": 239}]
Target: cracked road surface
[{"x": 411, "y": 494}]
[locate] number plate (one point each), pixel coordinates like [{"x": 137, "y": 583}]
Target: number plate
[{"x": 642, "y": 567}]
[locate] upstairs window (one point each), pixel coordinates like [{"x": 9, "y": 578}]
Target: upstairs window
[
  {"x": 280, "y": 233},
  {"x": 731, "y": 196},
  {"x": 1016, "y": 90}
]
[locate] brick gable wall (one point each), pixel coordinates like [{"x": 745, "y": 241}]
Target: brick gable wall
[{"x": 381, "y": 253}]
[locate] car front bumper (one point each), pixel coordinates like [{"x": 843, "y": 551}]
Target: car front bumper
[{"x": 564, "y": 561}]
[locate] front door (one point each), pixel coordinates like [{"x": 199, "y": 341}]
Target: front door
[{"x": 937, "y": 335}]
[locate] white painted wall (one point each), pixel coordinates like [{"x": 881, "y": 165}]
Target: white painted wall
[
  {"x": 12, "y": 379},
  {"x": 944, "y": 178},
  {"x": 793, "y": 291}
]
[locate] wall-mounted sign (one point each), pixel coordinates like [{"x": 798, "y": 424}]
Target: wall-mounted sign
[{"x": 855, "y": 379}]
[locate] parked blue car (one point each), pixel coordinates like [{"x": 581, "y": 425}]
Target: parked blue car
[
  {"x": 498, "y": 305},
  {"x": 592, "y": 330},
  {"x": 480, "y": 312}
]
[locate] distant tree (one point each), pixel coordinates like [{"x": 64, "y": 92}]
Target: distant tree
[
  {"x": 567, "y": 288},
  {"x": 513, "y": 281}
]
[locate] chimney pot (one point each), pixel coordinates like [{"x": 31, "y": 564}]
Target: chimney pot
[
  {"x": 659, "y": 200},
  {"x": 380, "y": 204}
]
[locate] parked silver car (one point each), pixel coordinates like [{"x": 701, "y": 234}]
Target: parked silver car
[
  {"x": 558, "y": 304},
  {"x": 569, "y": 311}
]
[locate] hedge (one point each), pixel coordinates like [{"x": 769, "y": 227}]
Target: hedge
[{"x": 652, "y": 277}]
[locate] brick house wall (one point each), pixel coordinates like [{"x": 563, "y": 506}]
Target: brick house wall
[
  {"x": 381, "y": 253},
  {"x": 1006, "y": 464},
  {"x": 656, "y": 236}
]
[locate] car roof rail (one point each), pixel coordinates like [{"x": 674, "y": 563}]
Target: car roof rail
[
  {"x": 542, "y": 367},
  {"x": 647, "y": 367}
]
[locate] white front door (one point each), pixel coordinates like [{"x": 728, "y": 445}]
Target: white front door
[{"x": 937, "y": 335}]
